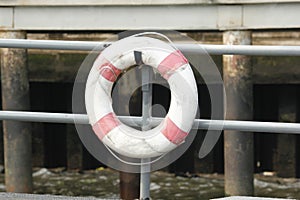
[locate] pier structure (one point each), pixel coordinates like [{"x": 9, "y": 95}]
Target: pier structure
[{"x": 236, "y": 20}]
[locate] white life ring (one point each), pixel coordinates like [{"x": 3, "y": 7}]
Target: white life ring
[{"x": 173, "y": 66}]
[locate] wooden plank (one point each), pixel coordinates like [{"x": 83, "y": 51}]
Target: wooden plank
[{"x": 191, "y": 15}]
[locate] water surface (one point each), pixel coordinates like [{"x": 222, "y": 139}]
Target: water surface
[{"x": 104, "y": 183}]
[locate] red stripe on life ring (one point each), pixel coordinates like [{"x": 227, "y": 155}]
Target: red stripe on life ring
[
  {"x": 173, "y": 133},
  {"x": 109, "y": 71},
  {"x": 104, "y": 125},
  {"x": 171, "y": 63}
]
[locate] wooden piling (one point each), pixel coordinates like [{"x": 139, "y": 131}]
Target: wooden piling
[
  {"x": 129, "y": 182},
  {"x": 238, "y": 146},
  {"x": 37, "y": 103},
  {"x": 17, "y": 135},
  {"x": 129, "y": 185},
  {"x": 285, "y": 156},
  {"x": 74, "y": 149}
]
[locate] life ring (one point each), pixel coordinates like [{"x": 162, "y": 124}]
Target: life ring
[{"x": 173, "y": 66}]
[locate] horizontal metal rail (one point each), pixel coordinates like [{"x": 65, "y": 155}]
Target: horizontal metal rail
[
  {"x": 251, "y": 126},
  {"x": 211, "y": 49},
  {"x": 198, "y": 123}
]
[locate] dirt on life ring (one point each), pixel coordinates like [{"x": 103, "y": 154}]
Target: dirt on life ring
[{"x": 173, "y": 66}]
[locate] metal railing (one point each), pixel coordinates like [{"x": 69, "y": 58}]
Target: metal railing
[
  {"x": 211, "y": 49},
  {"x": 253, "y": 126}
]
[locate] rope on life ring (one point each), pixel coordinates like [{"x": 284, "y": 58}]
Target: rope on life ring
[{"x": 172, "y": 66}]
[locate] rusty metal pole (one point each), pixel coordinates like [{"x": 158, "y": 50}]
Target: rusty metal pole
[
  {"x": 237, "y": 74},
  {"x": 17, "y": 135}
]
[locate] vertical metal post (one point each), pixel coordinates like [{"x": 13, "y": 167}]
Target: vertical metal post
[
  {"x": 237, "y": 73},
  {"x": 146, "y": 112},
  {"x": 17, "y": 135}
]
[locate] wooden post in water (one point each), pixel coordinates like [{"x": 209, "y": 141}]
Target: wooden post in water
[
  {"x": 129, "y": 185},
  {"x": 285, "y": 156},
  {"x": 129, "y": 182},
  {"x": 17, "y": 135},
  {"x": 237, "y": 73}
]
